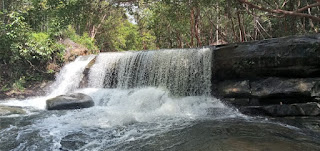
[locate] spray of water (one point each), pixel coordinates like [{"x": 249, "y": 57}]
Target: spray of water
[{"x": 121, "y": 116}]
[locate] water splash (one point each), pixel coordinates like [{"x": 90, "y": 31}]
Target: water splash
[{"x": 119, "y": 116}]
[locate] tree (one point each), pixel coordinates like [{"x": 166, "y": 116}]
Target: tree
[{"x": 281, "y": 12}]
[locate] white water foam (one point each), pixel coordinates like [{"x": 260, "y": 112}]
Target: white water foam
[{"x": 139, "y": 113}]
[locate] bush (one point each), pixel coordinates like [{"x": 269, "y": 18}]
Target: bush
[
  {"x": 38, "y": 46},
  {"x": 19, "y": 85},
  {"x": 83, "y": 40}
]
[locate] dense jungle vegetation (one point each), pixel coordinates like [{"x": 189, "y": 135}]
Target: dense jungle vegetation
[{"x": 35, "y": 35}]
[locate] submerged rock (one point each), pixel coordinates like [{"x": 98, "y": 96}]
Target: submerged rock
[
  {"x": 70, "y": 101},
  {"x": 8, "y": 110}
]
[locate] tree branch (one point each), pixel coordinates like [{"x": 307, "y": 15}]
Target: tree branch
[
  {"x": 284, "y": 12},
  {"x": 307, "y": 7}
]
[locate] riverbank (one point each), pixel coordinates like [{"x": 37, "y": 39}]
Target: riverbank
[{"x": 36, "y": 88}]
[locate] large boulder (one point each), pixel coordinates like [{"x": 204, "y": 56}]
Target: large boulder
[
  {"x": 70, "y": 101},
  {"x": 295, "y": 57}
]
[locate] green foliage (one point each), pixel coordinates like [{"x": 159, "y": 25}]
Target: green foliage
[
  {"x": 12, "y": 37},
  {"x": 127, "y": 37},
  {"x": 118, "y": 34},
  {"x": 31, "y": 30},
  {"x": 5, "y": 88},
  {"x": 19, "y": 85},
  {"x": 38, "y": 46},
  {"x": 84, "y": 40}
]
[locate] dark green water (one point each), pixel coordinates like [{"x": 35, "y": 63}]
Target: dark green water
[{"x": 228, "y": 134}]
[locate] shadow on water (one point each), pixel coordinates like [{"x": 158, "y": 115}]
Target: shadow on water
[{"x": 231, "y": 135}]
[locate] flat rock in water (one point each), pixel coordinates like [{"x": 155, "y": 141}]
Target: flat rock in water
[
  {"x": 70, "y": 101},
  {"x": 8, "y": 110},
  {"x": 299, "y": 109}
]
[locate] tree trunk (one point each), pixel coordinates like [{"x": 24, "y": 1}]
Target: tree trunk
[
  {"x": 180, "y": 43},
  {"x": 240, "y": 28},
  {"x": 191, "y": 26},
  {"x": 197, "y": 26},
  {"x": 232, "y": 24},
  {"x": 95, "y": 29}
]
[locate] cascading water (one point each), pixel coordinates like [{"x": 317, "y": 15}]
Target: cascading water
[
  {"x": 147, "y": 100},
  {"x": 183, "y": 72},
  {"x": 70, "y": 76}
]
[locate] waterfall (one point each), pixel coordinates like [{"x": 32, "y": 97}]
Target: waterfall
[
  {"x": 137, "y": 96},
  {"x": 70, "y": 76},
  {"x": 181, "y": 72},
  {"x": 185, "y": 72}
]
